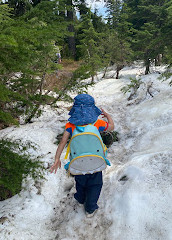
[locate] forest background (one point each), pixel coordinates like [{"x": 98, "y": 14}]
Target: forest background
[{"x": 33, "y": 32}]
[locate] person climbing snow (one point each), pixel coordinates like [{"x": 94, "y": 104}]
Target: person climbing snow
[{"x": 87, "y": 151}]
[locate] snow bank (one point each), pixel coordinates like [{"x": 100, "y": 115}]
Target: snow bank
[{"x": 135, "y": 202}]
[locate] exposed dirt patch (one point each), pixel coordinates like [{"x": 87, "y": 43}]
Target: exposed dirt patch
[{"x": 62, "y": 76}]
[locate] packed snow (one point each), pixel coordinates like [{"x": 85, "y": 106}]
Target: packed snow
[{"x": 135, "y": 202}]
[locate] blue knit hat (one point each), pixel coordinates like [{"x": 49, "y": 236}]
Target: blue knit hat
[{"x": 84, "y": 110}]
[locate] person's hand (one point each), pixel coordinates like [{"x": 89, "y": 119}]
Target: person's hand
[
  {"x": 105, "y": 114},
  {"x": 109, "y": 119},
  {"x": 55, "y": 166}
]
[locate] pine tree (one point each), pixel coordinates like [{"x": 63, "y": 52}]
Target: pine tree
[
  {"x": 98, "y": 23},
  {"x": 115, "y": 51},
  {"x": 27, "y": 48},
  {"x": 19, "y": 6},
  {"x": 134, "y": 13},
  {"x": 15, "y": 165},
  {"x": 119, "y": 39},
  {"x": 71, "y": 37},
  {"x": 89, "y": 46},
  {"x": 167, "y": 33},
  {"x": 113, "y": 10},
  {"x": 148, "y": 19},
  {"x": 82, "y": 7}
]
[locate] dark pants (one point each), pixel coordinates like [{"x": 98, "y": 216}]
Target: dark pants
[{"x": 88, "y": 189}]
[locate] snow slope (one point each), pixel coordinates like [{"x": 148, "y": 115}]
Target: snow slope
[{"x": 135, "y": 202}]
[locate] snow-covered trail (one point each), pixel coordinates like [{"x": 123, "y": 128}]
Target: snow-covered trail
[{"x": 135, "y": 202}]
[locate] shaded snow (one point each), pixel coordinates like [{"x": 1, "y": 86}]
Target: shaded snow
[{"x": 135, "y": 202}]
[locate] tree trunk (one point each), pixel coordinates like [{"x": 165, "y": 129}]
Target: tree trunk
[
  {"x": 92, "y": 79},
  {"x": 71, "y": 39},
  {"x": 106, "y": 70},
  {"x": 43, "y": 78},
  {"x": 32, "y": 113},
  {"x": 147, "y": 64},
  {"x": 119, "y": 67},
  {"x": 158, "y": 60},
  {"x": 42, "y": 83}
]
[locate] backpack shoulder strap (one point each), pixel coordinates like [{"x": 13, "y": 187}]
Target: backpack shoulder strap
[
  {"x": 67, "y": 151},
  {"x": 94, "y": 123}
]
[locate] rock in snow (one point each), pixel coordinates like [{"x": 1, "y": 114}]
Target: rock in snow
[{"x": 135, "y": 202}]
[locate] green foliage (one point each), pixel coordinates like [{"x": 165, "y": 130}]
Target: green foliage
[
  {"x": 117, "y": 49},
  {"x": 109, "y": 138},
  {"x": 117, "y": 41},
  {"x": 6, "y": 117},
  {"x": 19, "y": 6},
  {"x": 114, "y": 11},
  {"x": 167, "y": 34},
  {"x": 27, "y": 46},
  {"x": 6, "y": 98},
  {"x": 31, "y": 33},
  {"x": 98, "y": 23},
  {"x": 82, "y": 7},
  {"x": 5, "y": 13},
  {"x": 166, "y": 75},
  {"x": 133, "y": 85},
  {"x": 150, "y": 24},
  {"x": 88, "y": 46},
  {"x": 15, "y": 165}
]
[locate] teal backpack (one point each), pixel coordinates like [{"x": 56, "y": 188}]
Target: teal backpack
[{"x": 87, "y": 151}]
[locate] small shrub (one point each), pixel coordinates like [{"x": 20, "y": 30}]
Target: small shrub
[
  {"x": 165, "y": 76},
  {"x": 109, "y": 138},
  {"x": 133, "y": 85},
  {"x": 15, "y": 165}
]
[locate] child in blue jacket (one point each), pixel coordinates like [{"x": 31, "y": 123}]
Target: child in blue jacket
[{"x": 88, "y": 187}]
